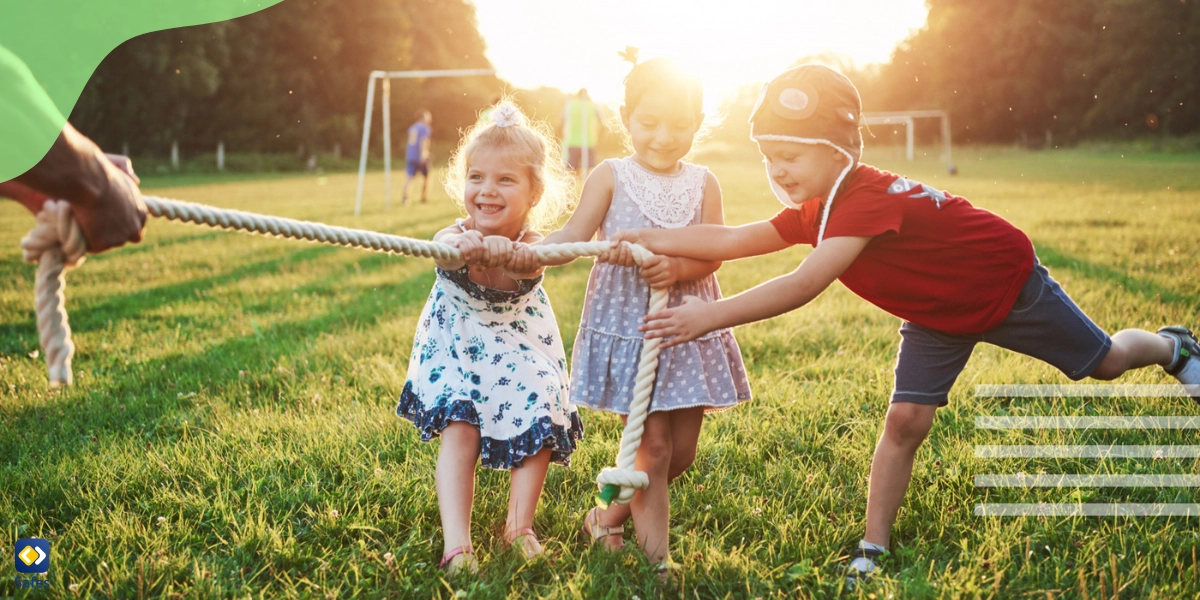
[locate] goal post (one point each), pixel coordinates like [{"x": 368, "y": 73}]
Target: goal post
[
  {"x": 907, "y": 118},
  {"x": 386, "y": 101}
]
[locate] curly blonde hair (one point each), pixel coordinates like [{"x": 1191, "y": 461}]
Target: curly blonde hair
[{"x": 531, "y": 144}]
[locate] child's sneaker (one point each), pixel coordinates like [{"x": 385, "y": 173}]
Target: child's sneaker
[{"x": 1186, "y": 365}]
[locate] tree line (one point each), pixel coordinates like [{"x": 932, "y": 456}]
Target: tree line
[
  {"x": 1017, "y": 69},
  {"x": 293, "y": 78}
]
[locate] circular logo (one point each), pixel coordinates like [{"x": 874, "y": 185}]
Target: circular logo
[{"x": 793, "y": 99}]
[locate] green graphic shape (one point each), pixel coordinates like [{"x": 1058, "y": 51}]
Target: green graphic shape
[{"x": 50, "y": 48}]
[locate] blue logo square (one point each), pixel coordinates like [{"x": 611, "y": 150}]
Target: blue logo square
[{"x": 32, "y": 555}]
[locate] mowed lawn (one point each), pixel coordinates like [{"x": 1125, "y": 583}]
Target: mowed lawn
[{"x": 231, "y": 432}]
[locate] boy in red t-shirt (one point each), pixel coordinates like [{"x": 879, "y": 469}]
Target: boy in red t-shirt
[{"x": 956, "y": 274}]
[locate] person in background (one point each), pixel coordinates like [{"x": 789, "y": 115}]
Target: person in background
[
  {"x": 416, "y": 154},
  {"x": 581, "y": 131}
]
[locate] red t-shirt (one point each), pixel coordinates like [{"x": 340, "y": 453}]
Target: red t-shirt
[{"x": 934, "y": 259}]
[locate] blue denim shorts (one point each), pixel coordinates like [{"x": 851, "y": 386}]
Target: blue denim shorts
[{"x": 1044, "y": 323}]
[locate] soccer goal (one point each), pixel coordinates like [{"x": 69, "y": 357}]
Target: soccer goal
[
  {"x": 387, "y": 77},
  {"x": 906, "y": 118}
]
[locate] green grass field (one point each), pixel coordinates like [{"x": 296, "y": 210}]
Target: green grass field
[{"x": 231, "y": 431}]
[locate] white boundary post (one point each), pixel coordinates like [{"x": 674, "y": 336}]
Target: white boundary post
[
  {"x": 366, "y": 139},
  {"x": 908, "y": 138},
  {"x": 946, "y": 140},
  {"x": 387, "y": 143}
]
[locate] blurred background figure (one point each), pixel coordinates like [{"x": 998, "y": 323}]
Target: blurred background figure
[
  {"x": 581, "y": 131},
  {"x": 417, "y": 155}
]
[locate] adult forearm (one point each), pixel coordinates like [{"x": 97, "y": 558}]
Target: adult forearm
[{"x": 74, "y": 169}]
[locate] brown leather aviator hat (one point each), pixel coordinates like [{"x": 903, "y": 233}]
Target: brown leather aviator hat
[{"x": 809, "y": 104}]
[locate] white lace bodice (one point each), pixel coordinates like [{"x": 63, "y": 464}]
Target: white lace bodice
[{"x": 669, "y": 201}]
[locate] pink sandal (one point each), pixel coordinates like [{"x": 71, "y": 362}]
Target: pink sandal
[{"x": 465, "y": 551}]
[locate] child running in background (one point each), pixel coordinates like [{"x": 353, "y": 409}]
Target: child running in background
[
  {"x": 651, "y": 188},
  {"x": 488, "y": 373},
  {"x": 957, "y": 275}
]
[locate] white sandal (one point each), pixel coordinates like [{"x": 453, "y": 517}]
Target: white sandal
[{"x": 597, "y": 532}]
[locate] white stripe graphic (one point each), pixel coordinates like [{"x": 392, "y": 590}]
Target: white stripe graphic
[
  {"x": 1148, "y": 451},
  {"x": 1087, "y": 510},
  {"x": 1087, "y": 422},
  {"x": 1058, "y": 481},
  {"x": 1087, "y": 391}
]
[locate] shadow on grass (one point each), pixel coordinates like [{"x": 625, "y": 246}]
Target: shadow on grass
[
  {"x": 142, "y": 401},
  {"x": 1054, "y": 259}
]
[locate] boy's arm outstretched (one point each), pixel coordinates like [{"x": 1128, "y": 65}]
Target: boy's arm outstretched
[
  {"x": 786, "y": 293},
  {"x": 708, "y": 241}
]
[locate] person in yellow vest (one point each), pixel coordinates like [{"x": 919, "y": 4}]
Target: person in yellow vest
[{"x": 581, "y": 131}]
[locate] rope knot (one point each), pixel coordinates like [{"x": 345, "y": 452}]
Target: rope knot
[
  {"x": 56, "y": 229},
  {"x": 629, "y": 480}
]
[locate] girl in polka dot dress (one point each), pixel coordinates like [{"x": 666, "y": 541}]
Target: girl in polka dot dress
[
  {"x": 488, "y": 373},
  {"x": 651, "y": 188}
]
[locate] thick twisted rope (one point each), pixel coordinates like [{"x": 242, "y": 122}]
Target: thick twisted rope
[{"x": 57, "y": 240}]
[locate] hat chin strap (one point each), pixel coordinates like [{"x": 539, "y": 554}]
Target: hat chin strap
[{"x": 781, "y": 194}]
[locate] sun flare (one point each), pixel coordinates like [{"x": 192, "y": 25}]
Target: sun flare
[{"x": 570, "y": 45}]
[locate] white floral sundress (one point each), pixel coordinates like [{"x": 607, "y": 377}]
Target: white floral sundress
[{"x": 493, "y": 359}]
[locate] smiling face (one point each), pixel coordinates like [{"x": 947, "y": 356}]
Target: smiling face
[
  {"x": 803, "y": 171},
  {"x": 661, "y": 133},
  {"x": 499, "y": 192}
]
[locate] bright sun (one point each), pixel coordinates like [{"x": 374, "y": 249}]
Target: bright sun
[{"x": 574, "y": 44}]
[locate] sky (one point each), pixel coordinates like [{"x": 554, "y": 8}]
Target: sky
[{"x": 574, "y": 44}]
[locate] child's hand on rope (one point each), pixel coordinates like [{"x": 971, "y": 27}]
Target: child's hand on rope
[
  {"x": 683, "y": 323},
  {"x": 640, "y": 237},
  {"x": 660, "y": 271},
  {"x": 524, "y": 262},
  {"x": 470, "y": 244},
  {"x": 621, "y": 254},
  {"x": 497, "y": 251}
]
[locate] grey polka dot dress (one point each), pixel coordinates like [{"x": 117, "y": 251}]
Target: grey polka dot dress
[{"x": 705, "y": 372}]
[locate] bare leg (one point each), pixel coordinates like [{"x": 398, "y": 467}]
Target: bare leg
[
  {"x": 525, "y": 490},
  {"x": 905, "y": 429},
  {"x": 404, "y": 194},
  {"x": 1134, "y": 349},
  {"x": 685, "y": 433},
  {"x": 424, "y": 188},
  {"x": 455, "y": 482}
]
